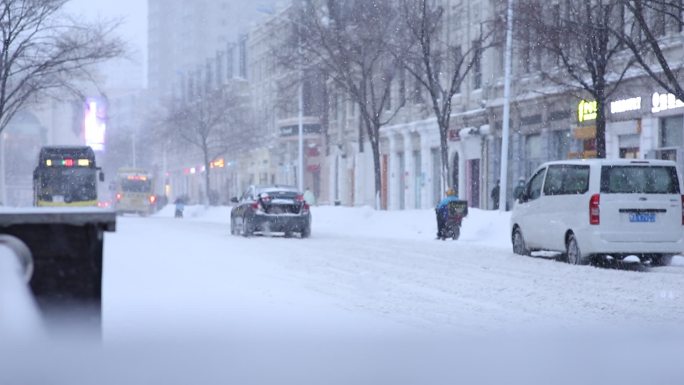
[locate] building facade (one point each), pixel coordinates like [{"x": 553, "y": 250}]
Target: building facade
[{"x": 547, "y": 122}]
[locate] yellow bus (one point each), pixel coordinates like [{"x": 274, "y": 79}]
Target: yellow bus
[
  {"x": 66, "y": 176},
  {"x": 134, "y": 192}
]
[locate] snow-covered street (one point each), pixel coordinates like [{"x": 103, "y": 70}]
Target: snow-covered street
[{"x": 362, "y": 271}]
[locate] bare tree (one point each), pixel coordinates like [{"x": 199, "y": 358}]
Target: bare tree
[
  {"x": 351, "y": 41},
  {"x": 585, "y": 53},
  {"x": 440, "y": 65},
  {"x": 645, "y": 35},
  {"x": 214, "y": 123},
  {"x": 42, "y": 51}
]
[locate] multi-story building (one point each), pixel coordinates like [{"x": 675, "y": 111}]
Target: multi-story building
[
  {"x": 183, "y": 36},
  {"x": 545, "y": 124},
  {"x": 275, "y": 88}
]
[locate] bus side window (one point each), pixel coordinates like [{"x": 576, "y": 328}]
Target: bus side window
[{"x": 102, "y": 178}]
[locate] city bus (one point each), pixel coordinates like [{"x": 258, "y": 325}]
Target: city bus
[
  {"x": 66, "y": 176},
  {"x": 134, "y": 192}
]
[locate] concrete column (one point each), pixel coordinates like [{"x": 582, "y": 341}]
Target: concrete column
[
  {"x": 332, "y": 163},
  {"x": 409, "y": 185},
  {"x": 649, "y": 136},
  {"x": 426, "y": 167},
  {"x": 393, "y": 177},
  {"x": 462, "y": 188}
]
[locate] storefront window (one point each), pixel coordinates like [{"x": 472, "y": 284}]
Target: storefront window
[
  {"x": 672, "y": 131},
  {"x": 533, "y": 150},
  {"x": 629, "y": 146},
  {"x": 563, "y": 143}
]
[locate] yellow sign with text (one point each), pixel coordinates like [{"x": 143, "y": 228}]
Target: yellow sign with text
[{"x": 587, "y": 110}]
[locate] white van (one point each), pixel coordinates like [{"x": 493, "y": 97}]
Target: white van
[{"x": 598, "y": 207}]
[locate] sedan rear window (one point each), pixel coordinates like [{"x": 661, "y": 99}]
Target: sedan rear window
[
  {"x": 281, "y": 194},
  {"x": 639, "y": 180}
]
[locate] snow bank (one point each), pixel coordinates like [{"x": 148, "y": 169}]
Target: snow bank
[
  {"x": 480, "y": 225},
  {"x": 212, "y": 214}
]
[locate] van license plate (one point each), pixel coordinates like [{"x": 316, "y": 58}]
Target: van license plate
[{"x": 648, "y": 217}]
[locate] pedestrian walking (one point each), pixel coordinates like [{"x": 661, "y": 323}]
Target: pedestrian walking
[{"x": 495, "y": 195}]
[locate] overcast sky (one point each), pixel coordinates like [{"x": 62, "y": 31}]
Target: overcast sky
[{"x": 134, "y": 28}]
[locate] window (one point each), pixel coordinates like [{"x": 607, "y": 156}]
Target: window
[
  {"x": 639, "y": 180},
  {"x": 402, "y": 86},
  {"x": 477, "y": 65},
  {"x": 672, "y": 131},
  {"x": 388, "y": 100},
  {"x": 566, "y": 180},
  {"x": 417, "y": 92},
  {"x": 533, "y": 190},
  {"x": 533, "y": 152},
  {"x": 563, "y": 143},
  {"x": 458, "y": 58}
]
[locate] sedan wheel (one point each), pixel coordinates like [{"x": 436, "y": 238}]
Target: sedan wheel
[
  {"x": 574, "y": 254},
  {"x": 246, "y": 230},
  {"x": 519, "y": 246},
  {"x": 306, "y": 232}
]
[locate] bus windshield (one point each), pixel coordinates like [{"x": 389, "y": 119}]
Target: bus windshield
[
  {"x": 67, "y": 185},
  {"x": 136, "y": 186}
]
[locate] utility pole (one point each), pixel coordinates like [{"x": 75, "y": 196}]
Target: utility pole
[
  {"x": 3, "y": 169},
  {"x": 300, "y": 113},
  {"x": 503, "y": 179}
]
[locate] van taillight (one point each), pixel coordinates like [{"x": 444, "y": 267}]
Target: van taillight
[
  {"x": 594, "y": 210},
  {"x": 153, "y": 199}
]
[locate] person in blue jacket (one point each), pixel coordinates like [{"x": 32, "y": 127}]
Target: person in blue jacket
[{"x": 442, "y": 212}]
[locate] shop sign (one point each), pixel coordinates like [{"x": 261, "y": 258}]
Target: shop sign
[
  {"x": 663, "y": 102},
  {"x": 218, "y": 163},
  {"x": 625, "y": 105},
  {"x": 587, "y": 110}
]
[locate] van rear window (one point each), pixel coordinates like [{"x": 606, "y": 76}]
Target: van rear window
[{"x": 639, "y": 180}]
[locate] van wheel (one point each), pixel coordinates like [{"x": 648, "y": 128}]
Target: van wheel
[
  {"x": 519, "y": 246},
  {"x": 661, "y": 260},
  {"x": 574, "y": 254}
]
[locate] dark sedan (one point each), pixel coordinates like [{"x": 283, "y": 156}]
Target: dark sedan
[{"x": 269, "y": 209}]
